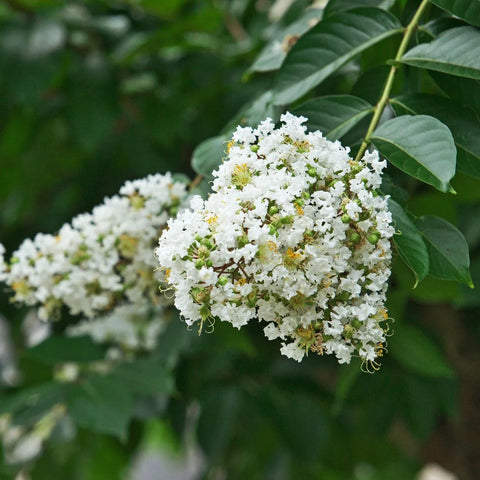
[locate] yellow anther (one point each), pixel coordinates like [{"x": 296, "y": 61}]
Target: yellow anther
[
  {"x": 293, "y": 255},
  {"x": 299, "y": 209},
  {"x": 272, "y": 246},
  {"x": 230, "y": 144},
  {"x": 212, "y": 220}
]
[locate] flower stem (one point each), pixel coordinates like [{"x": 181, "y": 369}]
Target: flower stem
[
  {"x": 195, "y": 182},
  {"x": 380, "y": 106}
]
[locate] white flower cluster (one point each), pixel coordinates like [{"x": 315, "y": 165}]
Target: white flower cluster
[
  {"x": 129, "y": 327},
  {"x": 22, "y": 444},
  {"x": 102, "y": 258},
  {"x": 294, "y": 234}
]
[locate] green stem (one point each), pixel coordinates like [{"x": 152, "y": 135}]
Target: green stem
[{"x": 380, "y": 106}]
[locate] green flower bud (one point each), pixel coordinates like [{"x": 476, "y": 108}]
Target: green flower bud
[
  {"x": 354, "y": 237},
  {"x": 254, "y": 148},
  {"x": 373, "y": 238},
  {"x": 312, "y": 172},
  {"x": 348, "y": 331},
  {"x": 346, "y": 218},
  {"x": 222, "y": 281},
  {"x": 242, "y": 241},
  {"x": 356, "y": 323},
  {"x": 199, "y": 264},
  {"x": 273, "y": 210}
]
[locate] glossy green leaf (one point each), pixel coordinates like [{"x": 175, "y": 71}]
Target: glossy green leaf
[
  {"x": 409, "y": 242},
  {"x": 447, "y": 249},
  {"x": 272, "y": 56},
  {"x": 253, "y": 113},
  {"x": 462, "y": 122},
  {"x": 326, "y": 47},
  {"x": 101, "y": 404},
  {"x": 456, "y": 52},
  {"x": 464, "y": 90},
  {"x": 57, "y": 349},
  {"x": 334, "y": 115},
  {"x": 421, "y": 146},
  {"x": 469, "y": 10},
  {"x": 335, "y": 6},
  {"x": 417, "y": 352},
  {"x": 209, "y": 155}
]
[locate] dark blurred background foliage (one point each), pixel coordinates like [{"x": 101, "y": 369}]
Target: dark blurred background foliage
[{"x": 95, "y": 93}]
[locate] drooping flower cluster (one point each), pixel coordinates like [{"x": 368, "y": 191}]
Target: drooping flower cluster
[
  {"x": 294, "y": 234},
  {"x": 130, "y": 328},
  {"x": 102, "y": 258}
]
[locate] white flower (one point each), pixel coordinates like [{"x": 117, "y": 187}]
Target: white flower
[
  {"x": 101, "y": 259},
  {"x": 295, "y": 235},
  {"x": 130, "y": 327}
]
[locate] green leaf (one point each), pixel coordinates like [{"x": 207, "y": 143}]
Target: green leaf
[
  {"x": 417, "y": 352},
  {"x": 469, "y": 10},
  {"x": 272, "y": 56},
  {"x": 421, "y": 146},
  {"x": 101, "y": 404},
  {"x": 409, "y": 243},
  {"x": 462, "y": 122},
  {"x": 335, "y": 6},
  {"x": 144, "y": 376},
  {"x": 456, "y": 52},
  {"x": 38, "y": 398},
  {"x": 464, "y": 90},
  {"x": 59, "y": 349},
  {"x": 253, "y": 113},
  {"x": 329, "y": 45},
  {"x": 209, "y": 155},
  {"x": 447, "y": 249},
  {"x": 334, "y": 115}
]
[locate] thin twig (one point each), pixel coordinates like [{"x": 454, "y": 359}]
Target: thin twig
[{"x": 380, "y": 106}]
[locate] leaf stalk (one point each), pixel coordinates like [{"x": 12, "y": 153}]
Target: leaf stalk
[{"x": 380, "y": 106}]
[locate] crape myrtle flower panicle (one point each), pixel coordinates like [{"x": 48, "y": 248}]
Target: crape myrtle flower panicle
[
  {"x": 102, "y": 258},
  {"x": 129, "y": 328},
  {"x": 294, "y": 234}
]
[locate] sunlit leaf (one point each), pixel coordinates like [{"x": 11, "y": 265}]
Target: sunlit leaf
[
  {"x": 329, "y": 45},
  {"x": 469, "y": 10},
  {"x": 272, "y": 56},
  {"x": 209, "y": 154},
  {"x": 421, "y": 146},
  {"x": 456, "y": 51},
  {"x": 334, "y": 115},
  {"x": 335, "y": 6},
  {"x": 462, "y": 122}
]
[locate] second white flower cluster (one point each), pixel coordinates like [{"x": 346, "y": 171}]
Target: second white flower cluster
[{"x": 99, "y": 262}]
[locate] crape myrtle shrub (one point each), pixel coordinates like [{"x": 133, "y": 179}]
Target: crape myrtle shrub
[{"x": 96, "y": 93}]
